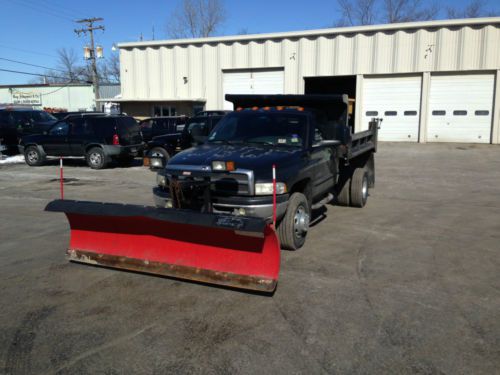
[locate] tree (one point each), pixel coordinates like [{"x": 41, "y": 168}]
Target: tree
[
  {"x": 111, "y": 69},
  {"x": 407, "y": 10},
  {"x": 357, "y": 12},
  {"x": 474, "y": 9},
  {"x": 196, "y": 19}
]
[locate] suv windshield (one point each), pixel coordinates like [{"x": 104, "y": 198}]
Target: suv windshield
[{"x": 272, "y": 128}]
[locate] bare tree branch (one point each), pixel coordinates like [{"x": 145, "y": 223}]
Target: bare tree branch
[
  {"x": 476, "y": 8},
  {"x": 196, "y": 19},
  {"x": 357, "y": 12}
]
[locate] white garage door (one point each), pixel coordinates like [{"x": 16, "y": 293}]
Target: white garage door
[
  {"x": 397, "y": 101},
  {"x": 460, "y": 108},
  {"x": 252, "y": 82}
]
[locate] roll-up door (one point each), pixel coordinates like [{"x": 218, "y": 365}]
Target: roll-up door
[
  {"x": 460, "y": 108},
  {"x": 252, "y": 82},
  {"x": 397, "y": 101}
]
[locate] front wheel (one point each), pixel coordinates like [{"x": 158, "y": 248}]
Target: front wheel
[
  {"x": 33, "y": 156},
  {"x": 292, "y": 230}
]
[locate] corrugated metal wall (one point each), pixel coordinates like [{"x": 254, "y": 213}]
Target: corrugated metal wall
[{"x": 157, "y": 72}]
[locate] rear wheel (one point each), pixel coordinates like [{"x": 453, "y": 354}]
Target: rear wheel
[
  {"x": 343, "y": 193},
  {"x": 359, "y": 187},
  {"x": 293, "y": 228},
  {"x": 33, "y": 156},
  {"x": 159, "y": 153},
  {"x": 95, "y": 158}
]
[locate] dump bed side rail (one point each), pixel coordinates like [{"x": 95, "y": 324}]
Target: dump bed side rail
[{"x": 365, "y": 141}]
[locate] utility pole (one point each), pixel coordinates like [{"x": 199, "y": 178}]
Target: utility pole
[{"x": 92, "y": 52}]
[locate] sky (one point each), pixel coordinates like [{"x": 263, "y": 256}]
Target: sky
[{"x": 32, "y": 31}]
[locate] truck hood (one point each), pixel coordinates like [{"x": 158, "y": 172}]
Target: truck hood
[{"x": 257, "y": 158}]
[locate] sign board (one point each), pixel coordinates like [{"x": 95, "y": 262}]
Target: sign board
[{"x": 31, "y": 98}]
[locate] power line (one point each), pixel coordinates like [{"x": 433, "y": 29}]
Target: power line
[
  {"x": 42, "y": 10},
  {"x": 40, "y": 75},
  {"x": 58, "y": 5},
  {"x": 27, "y": 51},
  {"x": 36, "y": 66},
  {"x": 53, "y": 8}
]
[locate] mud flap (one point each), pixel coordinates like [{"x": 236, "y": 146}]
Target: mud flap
[{"x": 240, "y": 252}]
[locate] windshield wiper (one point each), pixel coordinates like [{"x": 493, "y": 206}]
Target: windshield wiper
[{"x": 225, "y": 141}]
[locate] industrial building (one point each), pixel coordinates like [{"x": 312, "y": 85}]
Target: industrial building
[
  {"x": 435, "y": 81},
  {"x": 72, "y": 97}
]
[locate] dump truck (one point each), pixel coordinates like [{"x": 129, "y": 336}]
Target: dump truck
[{"x": 225, "y": 208}]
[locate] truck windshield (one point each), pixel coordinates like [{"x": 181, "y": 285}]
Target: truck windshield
[{"x": 271, "y": 128}]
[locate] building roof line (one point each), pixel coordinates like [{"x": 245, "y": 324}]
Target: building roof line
[{"x": 318, "y": 32}]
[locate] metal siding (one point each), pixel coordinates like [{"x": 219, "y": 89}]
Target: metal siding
[{"x": 158, "y": 73}]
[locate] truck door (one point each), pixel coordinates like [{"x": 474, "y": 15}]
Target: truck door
[
  {"x": 79, "y": 135},
  {"x": 323, "y": 164},
  {"x": 56, "y": 142}
]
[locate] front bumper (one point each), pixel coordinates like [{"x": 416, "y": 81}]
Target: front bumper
[{"x": 255, "y": 206}]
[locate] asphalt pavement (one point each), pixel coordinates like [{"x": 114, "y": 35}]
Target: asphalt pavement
[{"x": 408, "y": 284}]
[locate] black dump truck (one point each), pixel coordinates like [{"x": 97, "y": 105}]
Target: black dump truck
[{"x": 306, "y": 137}]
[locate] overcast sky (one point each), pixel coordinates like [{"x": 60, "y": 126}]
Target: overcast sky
[{"x": 33, "y": 30}]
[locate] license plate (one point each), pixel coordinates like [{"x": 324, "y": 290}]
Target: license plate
[{"x": 133, "y": 149}]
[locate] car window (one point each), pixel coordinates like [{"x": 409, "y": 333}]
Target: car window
[
  {"x": 22, "y": 118},
  {"x": 61, "y": 128},
  {"x": 41, "y": 116},
  {"x": 6, "y": 118},
  {"x": 80, "y": 127},
  {"x": 198, "y": 127},
  {"x": 102, "y": 126}
]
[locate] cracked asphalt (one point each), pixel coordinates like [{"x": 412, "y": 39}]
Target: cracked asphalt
[{"x": 408, "y": 284}]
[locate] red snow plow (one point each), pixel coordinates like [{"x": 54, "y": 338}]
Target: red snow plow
[{"x": 240, "y": 252}]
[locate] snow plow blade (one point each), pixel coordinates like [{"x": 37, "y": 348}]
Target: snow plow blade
[{"x": 234, "y": 251}]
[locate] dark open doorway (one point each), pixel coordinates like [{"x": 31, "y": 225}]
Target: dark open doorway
[{"x": 334, "y": 85}]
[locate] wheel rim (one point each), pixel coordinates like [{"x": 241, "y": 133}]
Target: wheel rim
[
  {"x": 300, "y": 222},
  {"x": 156, "y": 154},
  {"x": 364, "y": 188},
  {"x": 95, "y": 158},
  {"x": 32, "y": 156}
]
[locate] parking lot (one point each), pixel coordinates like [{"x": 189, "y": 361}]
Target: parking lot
[{"x": 408, "y": 284}]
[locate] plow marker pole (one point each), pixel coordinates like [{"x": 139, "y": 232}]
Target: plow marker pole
[{"x": 61, "y": 177}]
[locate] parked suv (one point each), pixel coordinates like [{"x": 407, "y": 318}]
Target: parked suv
[
  {"x": 98, "y": 138},
  {"x": 156, "y": 126},
  {"x": 16, "y": 122}
]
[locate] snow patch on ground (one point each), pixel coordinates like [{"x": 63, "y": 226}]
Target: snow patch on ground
[{"x": 12, "y": 159}]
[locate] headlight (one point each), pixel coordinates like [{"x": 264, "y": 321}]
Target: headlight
[
  {"x": 267, "y": 188},
  {"x": 161, "y": 180},
  {"x": 218, "y": 166}
]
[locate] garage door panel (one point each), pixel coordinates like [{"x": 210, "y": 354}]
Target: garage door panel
[
  {"x": 460, "y": 108},
  {"x": 252, "y": 82},
  {"x": 397, "y": 101}
]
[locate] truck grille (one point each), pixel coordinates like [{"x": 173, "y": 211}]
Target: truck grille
[{"x": 223, "y": 183}]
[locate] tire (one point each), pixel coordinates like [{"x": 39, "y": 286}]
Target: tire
[
  {"x": 292, "y": 230},
  {"x": 359, "y": 187},
  {"x": 96, "y": 159},
  {"x": 344, "y": 195},
  {"x": 158, "y": 151},
  {"x": 33, "y": 156}
]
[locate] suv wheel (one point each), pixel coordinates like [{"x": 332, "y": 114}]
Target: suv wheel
[
  {"x": 159, "y": 152},
  {"x": 95, "y": 158},
  {"x": 292, "y": 230},
  {"x": 33, "y": 156}
]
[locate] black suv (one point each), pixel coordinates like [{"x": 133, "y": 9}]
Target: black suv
[
  {"x": 99, "y": 138},
  {"x": 156, "y": 126},
  {"x": 16, "y": 122}
]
